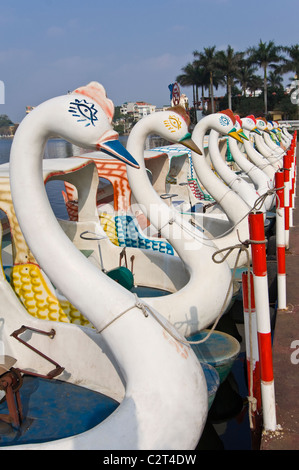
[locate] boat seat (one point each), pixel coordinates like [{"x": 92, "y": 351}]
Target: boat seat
[{"x": 53, "y": 409}]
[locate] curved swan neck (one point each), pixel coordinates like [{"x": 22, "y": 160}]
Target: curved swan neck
[
  {"x": 258, "y": 177},
  {"x": 72, "y": 273},
  {"x": 231, "y": 203},
  {"x": 157, "y": 211},
  {"x": 257, "y": 158},
  {"x": 165, "y": 218},
  {"x": 220, "y": 166}
]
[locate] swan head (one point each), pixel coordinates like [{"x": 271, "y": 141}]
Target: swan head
[
  {"x": 249, "y": 124},
  {"x": 171, "y": 124},
  {"x": 224, "y": 122},
  {"x": 272, "y": 127},
  {"x": 261, "y": 124},
  {"x": 239, "y": 128},
  {"x": 84, "y": 118}
]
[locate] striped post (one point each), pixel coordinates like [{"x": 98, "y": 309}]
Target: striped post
[
  {"x": 252, "y": 351},
  {"x": 286, "y": 166},
  {"x": 260, "y": 282},
  {"x": 280, "y": 241},
  {"x": 293, "y": 175},
  {"x": 291, "y": 163},
  {"x": 295, "y": 160}
]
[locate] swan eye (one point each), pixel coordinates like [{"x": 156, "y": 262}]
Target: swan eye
[
  {"x": 84, "y": 111},
  {"x": 173, "y": 123},
  {"x": 224, "y": 121}
]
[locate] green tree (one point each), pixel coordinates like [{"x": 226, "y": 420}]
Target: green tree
[
  {"x": 187, "y": 79},
  {"x": 194, "y": 76},
  {"x": 206, "y": 59},
  {"x": 5, "y": 121},
  {"x": 265, "y": 55},
  {"x": 229, "y": 62},
  {"x": 246, "y": 75},
  {"x": 275, "y": 80},
  {"x": 291, "y": 64}
]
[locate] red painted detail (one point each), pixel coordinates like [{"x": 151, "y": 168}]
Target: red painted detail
[
  {"x": 287, "y": 218},
  {"x": 258, "y": 250},
  {"x": 287, "y": 165},
  {"x": 281, "y": 260},
  {"x": 245, "y": 291},
  {"x": 279, "y": 183},
  {"x": 265, "y": 354}
]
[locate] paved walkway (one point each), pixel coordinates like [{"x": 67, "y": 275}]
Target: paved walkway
[{"x": 286, "y": 370}]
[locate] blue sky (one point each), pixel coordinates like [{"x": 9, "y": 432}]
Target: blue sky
[{"x": 135, "y": 48}]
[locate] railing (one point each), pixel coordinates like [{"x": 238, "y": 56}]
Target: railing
[{"x": 293, "y": 124}]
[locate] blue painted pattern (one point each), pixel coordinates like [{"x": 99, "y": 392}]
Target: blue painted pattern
[
  {"x": 83, "y": 110},
  {"x": 129, "y": 235}
]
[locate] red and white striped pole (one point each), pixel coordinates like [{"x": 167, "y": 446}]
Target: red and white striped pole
[
  {"x": 280, "y": 242},
  {"x": 293, "y": 173},
  {"x": 286, "y": 166},
  {"x": 291, "y": 163},
  {"x": 252, "y": 350},
  {"x": 260, "y": 282},
  {"x": 295, "y": 160}
]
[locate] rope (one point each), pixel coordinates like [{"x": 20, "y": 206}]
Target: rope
[
  {"x": 243, "y": 246},
  {"x": 256, "y": 207},
  {"x": 144, "y": 308}
]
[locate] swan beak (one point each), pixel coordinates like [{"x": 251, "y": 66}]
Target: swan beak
[
  {"x": 190, "y": 144},
  {"x": 255, "y": 129},
  {"x": 243, "y": 136},
  {"x": 233, "y": 133},
  {"x": 115, "y": 149}
]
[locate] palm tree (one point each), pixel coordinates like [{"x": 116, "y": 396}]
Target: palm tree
[
  {"x": 246, "y": 75},
  {"x": 265, "y": 55},
  {"x": 206, "y": 59},
  {"x": 194, "y": 76},
  {"x": 229, "y": 62},
  {"x": 274, "y": 79},
  {"x": 256, "y": 83},
  {"x": 291, "y": 64}
]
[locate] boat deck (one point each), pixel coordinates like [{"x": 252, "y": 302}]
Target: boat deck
[{"x": 285, "y": 358}]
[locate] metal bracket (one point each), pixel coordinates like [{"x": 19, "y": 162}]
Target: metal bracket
[{"x": 53, "y": 373}]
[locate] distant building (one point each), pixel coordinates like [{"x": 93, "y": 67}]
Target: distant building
[
  {"x": 137, "y": 110},
  {"x": 144, "y": 109},
  {"x": 256, "y": 93},
  {"x": 127, "y": 108}
]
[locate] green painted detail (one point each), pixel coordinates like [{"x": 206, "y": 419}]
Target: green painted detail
[
  {"x": 123, "y": 276},
  {"x": 87, "y": 253}
]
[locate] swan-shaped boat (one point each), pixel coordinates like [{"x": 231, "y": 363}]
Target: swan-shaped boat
[
  {"x": 249, "y": 171},
  {"x": 274, "y": 156},
  {"x": 274, "y": 140},
  {"x": 250, "y": 128},
  {"x": 186, "y": 305},
  {"x": 165, "y": 401},
  {"x": 241, "y": 187},
  {"x": 282, "y": 138},
  {"x": 188, "y": 308},
  {"x": 226, "y": 223}
]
